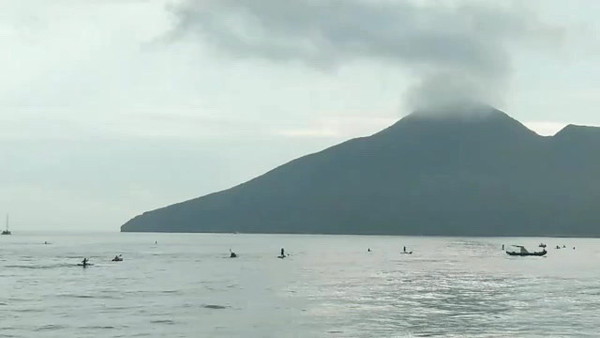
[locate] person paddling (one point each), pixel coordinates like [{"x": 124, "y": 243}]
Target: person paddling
[
  {"x": 232, "y": 254},
  {"x": 84, "y": 262}
]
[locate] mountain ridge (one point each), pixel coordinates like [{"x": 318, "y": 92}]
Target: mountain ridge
[{"x": 423, "y": 175}]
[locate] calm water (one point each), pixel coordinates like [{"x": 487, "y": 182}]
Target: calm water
[{"x": 330, "y": 286}]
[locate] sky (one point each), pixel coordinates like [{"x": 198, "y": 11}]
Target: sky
[{"x": 109, "y": 108}]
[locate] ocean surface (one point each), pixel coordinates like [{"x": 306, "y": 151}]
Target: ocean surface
[{"x": 330, "y": 286}]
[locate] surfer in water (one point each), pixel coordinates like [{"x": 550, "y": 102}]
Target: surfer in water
[
  {"x": 232, "y": 254},
  {"x": 282, "y": 253},
  {"x": 84, "y": 262}
]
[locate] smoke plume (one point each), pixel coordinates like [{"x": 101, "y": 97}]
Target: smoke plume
[{"x": 458, "y": 51}]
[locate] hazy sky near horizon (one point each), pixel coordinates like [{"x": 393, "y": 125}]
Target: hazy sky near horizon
[{"x": 109, "y": 108}]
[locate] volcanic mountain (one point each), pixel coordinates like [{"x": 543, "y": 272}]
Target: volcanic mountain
[{"x": 474, "y": 174}]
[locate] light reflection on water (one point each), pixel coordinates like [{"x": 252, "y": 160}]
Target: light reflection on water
[{"x": 185, "y": 286}]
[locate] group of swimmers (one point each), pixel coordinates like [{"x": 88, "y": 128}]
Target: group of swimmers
[
  {"x": 119, "y": 258},
  {"x": 86, "y": 262},
  {"x": 563, "y": 247},
  {"x": 281, "y": 255},
  {"x": 403, "y": 250}
]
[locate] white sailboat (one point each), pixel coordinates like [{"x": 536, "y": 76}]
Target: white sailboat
[{"x": 6, "y": 232}]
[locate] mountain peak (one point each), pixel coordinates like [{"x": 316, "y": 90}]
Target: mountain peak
[
  {"x": 469, "y": 119},
  {"x": 573, "y": 132},
  {"x": 459, "y": 110}
]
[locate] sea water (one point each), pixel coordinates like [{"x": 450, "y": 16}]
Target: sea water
[{"x": 184, "y": 285}]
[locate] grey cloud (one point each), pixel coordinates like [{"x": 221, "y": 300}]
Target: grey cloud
[{"x": 458, "y": 52}]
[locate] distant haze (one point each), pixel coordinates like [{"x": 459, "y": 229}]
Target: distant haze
[{"x": 111, "y": 108}]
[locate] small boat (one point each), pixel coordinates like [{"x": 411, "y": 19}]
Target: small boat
[
  {"x": 281, "y": 256},
  {"x": 537, "y": 253},
  {"x": 524, "y": 252},
  {"x": 6, "y": 232},
  {"x": 117, "y": 259},
  {"x": 406, "y": 252}
]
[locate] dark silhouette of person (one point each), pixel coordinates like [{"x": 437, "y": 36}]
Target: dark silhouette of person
[
  {"x": 369, "y": 250},
  {"x": 404, "y": 249},
  {"x": 282, "y": 252}
]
